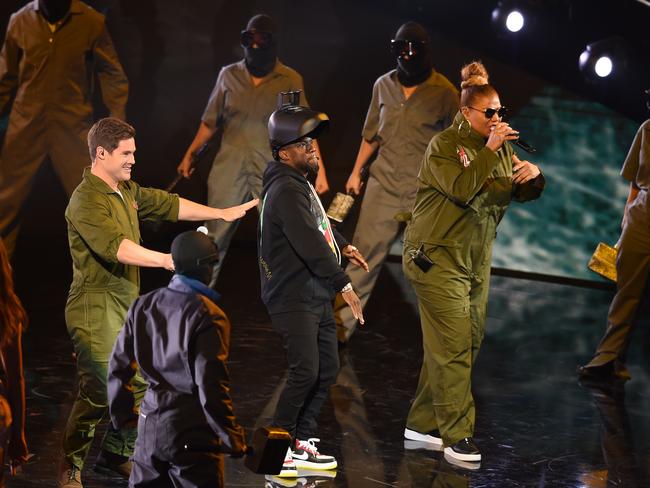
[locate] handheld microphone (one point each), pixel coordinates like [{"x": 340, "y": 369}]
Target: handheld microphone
[{"x": 525, "y": 146}]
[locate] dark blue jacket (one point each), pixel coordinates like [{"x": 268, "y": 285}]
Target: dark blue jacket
[{"x": 179, "y": 339}]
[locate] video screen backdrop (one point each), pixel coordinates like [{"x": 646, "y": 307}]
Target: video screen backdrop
[{"x": 581, "y": 146}]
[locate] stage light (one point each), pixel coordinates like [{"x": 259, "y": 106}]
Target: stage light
[
  {"x": 603, "y": 66},
  {"x": 603, "y": 59},
  {"x": 508, "y": 17},
  {"x": 515, "y": 21}
]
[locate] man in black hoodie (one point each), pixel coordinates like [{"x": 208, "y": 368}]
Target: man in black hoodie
[{"x": 300, "y": 270}]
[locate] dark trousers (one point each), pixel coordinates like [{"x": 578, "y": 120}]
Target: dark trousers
[
  {"x": 309, "y": 339},
  {"x": 160, "y": 459}
]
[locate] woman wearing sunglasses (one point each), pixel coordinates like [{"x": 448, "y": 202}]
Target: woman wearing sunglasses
[{"x": 468, "y": 177}]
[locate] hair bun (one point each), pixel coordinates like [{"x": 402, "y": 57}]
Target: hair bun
[{"x": 473, "y": 74}]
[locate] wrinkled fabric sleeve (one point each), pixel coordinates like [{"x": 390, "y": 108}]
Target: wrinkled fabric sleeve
[
  {"x": 9, "y": 66},
  {"x": 154, "y": 204},
  {"x": 370, "y": 130},
  {"x": 443, "y": 170},
  {"x": 209, "y": 353},
  {"x": 112, "y": 79},
  {"x": 122, "y": 367},
  {"x": 293, "y": 213},
  {"x": 214, "y": 110},
  {"x": 530, "y": 190},
  {"x": 341, "y": 241},
  {"x": 90, "y": 215},
  {"x": 632, "y": 162}
]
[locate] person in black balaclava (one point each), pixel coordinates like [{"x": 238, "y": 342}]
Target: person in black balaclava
[
  {"x": 260, "y": 46},
  {"x": 409, "y": 106},
  {"x": 245, "y": 95},
  {"x": 411, "y": 46},
  {"x": 52, "y": 48},
  {"x": 179, "y": 339}
]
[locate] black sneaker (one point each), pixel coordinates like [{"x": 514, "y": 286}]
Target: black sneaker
[
  {"x": 464, "y": 450},
  {"x": 306, "y": 456},
  {"x": 109, "y": 463}
]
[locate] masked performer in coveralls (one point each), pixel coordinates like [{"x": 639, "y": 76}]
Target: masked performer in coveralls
[
  {"x": 52, "y": 51},
  {"x": 300, "y": 270},
  {"x": 632, "y": 267},
  {"x": 409, "y": 106},
  {"x": 179, "y": 339},
  {"x": 241, "y": 102},
  {"x": 468, "y": 178},
  {"x": 103, "y": 219}
]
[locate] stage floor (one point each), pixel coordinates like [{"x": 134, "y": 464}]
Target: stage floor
[{"x": 536, "y": 426}]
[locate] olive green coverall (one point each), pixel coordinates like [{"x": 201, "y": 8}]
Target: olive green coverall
[
  {"x": 102, "y": 290},
  {"x": 459, "y": 203}
]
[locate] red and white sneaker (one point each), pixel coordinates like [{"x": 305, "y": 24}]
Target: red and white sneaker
[
  {"x": 306, "y": 456},
  {"x": 289, "y": 468}
]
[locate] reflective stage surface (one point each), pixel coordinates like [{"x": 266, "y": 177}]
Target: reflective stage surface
[{"x": 536, "y": 426}]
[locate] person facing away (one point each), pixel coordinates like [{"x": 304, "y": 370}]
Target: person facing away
[{"x": 178, "y": 338}]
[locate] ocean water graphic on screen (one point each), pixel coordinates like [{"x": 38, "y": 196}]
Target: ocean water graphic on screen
[{"x": 581, "y": 148}]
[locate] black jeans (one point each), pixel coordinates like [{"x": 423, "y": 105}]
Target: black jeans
[{"x": 312, "y": 353}]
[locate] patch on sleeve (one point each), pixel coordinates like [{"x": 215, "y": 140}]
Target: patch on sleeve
[{"x": 462, "y": 156}]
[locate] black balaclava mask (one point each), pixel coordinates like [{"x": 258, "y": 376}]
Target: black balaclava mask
[
  {"x": 194, "y": 255},
  {"x": 417, "y": 68},
  {"x": 260, "y": 61},
  {"x": 54, "y": 10}
]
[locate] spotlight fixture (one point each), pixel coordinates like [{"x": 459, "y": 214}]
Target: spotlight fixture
[
  {"x": 508, "y": 17},
  {"x": 603, "y": 59}
]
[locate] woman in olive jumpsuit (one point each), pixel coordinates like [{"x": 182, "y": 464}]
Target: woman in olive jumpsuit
[{"x": 468, "y": 177}]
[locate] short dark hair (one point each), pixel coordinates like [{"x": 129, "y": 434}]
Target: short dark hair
[{"x": 108, "y": 133}]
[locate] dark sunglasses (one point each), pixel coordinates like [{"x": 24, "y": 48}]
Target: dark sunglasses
[
  {"x": 402, "y": 48},
  {"x": 489, "y": 112},
  {"x": 254, "y": 37}
]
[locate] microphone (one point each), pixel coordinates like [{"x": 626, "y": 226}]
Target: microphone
[{"x": 525, "y": 146}]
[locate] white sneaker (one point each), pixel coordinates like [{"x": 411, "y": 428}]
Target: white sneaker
[
  {"x": 289, "y": 468},
  {"x": 432, "y": 437},
  {"x": 306, "y": 456}
]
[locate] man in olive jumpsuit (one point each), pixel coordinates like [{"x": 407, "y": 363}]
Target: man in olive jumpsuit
[
  {"x": 52, "y": 51},
  {"x": 243, "y": 98},
  {"x": 103, "y": 229},
  {"x": 632, "y": 266},
  {"x": 409, "y": 106},
  {"x": 464, "y": 189}
]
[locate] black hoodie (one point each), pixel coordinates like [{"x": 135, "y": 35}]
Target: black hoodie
[{"x": 298, "y": 267}]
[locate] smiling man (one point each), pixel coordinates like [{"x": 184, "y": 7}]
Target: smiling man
[{"x": 103, "y": 231}]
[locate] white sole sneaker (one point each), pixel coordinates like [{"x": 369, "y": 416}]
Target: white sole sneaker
[
  {"x": 472, "y": 458},
  {"x": 300, "y": 464},
  {"x": 472, "y": 466},
  {"x": 413, "y": 435},
  {"x": 421, "y": 446}
]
